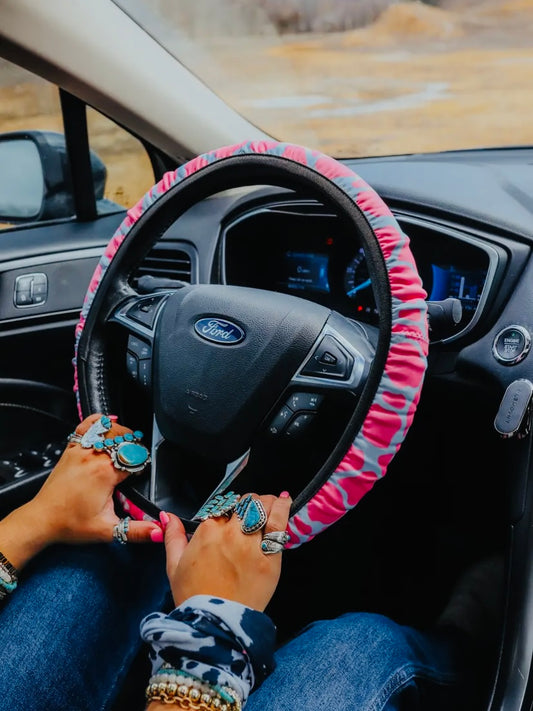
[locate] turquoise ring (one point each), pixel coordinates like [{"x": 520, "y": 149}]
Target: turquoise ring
[
  {"x": 219, "y": 505},
  {"x": 126, "y": 453},
  {"x": 252, "y": 514}
]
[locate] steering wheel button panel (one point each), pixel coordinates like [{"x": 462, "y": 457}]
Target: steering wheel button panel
[
  {"x": 279, "y": 422},
  {"x": 329, "y": 360},
  {"x": 145, "y": 372},
  {"x": 139, "y": 347},
  {"x": 145, "y": 310},
  {"x": 132, "y": 366},
  {"x": 299, "y": 424},
  {"x": 304, "y": 401}
]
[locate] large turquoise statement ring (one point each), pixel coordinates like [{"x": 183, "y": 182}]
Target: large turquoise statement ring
[
  {"x": 252, "y": 514},
  {"x": 126, "y": 452}
]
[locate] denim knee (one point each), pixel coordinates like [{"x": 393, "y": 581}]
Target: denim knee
[{"x": 358, "y": 660}]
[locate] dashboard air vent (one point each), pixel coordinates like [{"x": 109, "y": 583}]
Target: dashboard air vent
[{"x": 166, "y": 262}]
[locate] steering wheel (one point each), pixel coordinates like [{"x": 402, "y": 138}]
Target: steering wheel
[{"x": 247, "y": 389}]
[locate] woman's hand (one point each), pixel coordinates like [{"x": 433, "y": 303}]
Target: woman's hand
[
  {"x": 222, "y": 561},
  {"x": 74, "y": 505}
]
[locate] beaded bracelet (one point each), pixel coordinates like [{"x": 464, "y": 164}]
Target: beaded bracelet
[
  {"x": 199, "y": 697},
  {"x": 223, "y": 642},
  {"x": 167, "y": 674},
  {"x": 8, "y": 577}
]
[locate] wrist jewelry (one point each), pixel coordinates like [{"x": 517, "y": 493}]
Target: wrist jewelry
[
  {"x": 192, "y": 697},
  {"x": 8, "y": 577},
  {"x": 170, "y": 685},
  {"x": 229, "y": 646}
]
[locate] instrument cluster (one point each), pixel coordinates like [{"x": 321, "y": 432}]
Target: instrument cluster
[{"x": 302, "y": 250}]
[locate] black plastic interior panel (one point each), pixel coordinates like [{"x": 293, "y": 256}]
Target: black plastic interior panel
[
  {"x": 40, "y": 240},
  {"x": 65, "y": 282},
  {"x": 497, "y": 193},
  {"x": 37, "y": 417}
]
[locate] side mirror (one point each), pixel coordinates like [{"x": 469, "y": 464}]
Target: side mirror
[{"x": 35, "y": 178}]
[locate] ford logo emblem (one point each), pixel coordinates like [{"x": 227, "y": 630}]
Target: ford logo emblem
[{"x": 219, "y": 331}]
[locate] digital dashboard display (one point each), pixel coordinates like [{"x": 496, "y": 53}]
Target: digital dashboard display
[
  {"x": 305, "y": 271},
  {"x": 463, "y": 284},
  {"x": 313, "y": 255}
]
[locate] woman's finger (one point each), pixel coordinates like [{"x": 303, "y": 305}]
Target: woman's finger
[
  {"x": 275, "y": 536},
  {"x": 279, "y": 513},
  {"x": 144, "y": 532},
  {"x": 175, "y": 539}
]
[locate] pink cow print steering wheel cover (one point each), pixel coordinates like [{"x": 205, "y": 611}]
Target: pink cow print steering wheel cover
[{"x": 392, "y": 410}]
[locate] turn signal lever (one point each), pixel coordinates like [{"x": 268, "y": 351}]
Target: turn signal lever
[
  {"x": 148, "y": 284},
  {"x": 443, "y": 317}
]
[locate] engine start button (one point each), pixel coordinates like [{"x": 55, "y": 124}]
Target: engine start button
[{"x": 511, "y": 345}]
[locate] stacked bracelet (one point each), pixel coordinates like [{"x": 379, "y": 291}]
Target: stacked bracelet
[
  {"x": 215, "y": 642},
  {"x": 172, "y": 686},
  {"x": 8, "y": 577}
]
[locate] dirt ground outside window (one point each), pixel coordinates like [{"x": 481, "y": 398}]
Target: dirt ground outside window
[{"x": 417, "y": 79}]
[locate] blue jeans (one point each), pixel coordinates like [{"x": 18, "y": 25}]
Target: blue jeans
[
  {"x": 365, "y": 662},
  {"x": 70, "y": 631},
  {"x": 69, "y": 634}
]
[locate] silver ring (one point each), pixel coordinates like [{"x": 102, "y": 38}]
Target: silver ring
[
  {"x": 252, "y": 514},
  {"x": 274, "y": 542},
  {"x": 120, "y": 530},
  {"x": 219, "y": 505},
  {"x": 95, "y": 433},
  {"x": 125, "y": 451}
]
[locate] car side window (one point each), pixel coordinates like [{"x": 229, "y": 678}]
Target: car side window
[
  {"x": 36, "y": 181},
  {"x": 129, "y": 172}
]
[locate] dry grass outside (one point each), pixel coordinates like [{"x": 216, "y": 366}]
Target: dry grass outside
[{"x": 418, "y": 79}]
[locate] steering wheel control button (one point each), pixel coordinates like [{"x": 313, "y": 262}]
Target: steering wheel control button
[
  {"x": 304, "y": 401},
  {"x": 30, "y": 290},
  {"x": 132, "y": 366},
  {"x": 145, "y": 373},
  {"x": 139, "y": 361},
  {"x": 144, "y": 311},
  {"x": 511, "y": 345},
  {"x": 514, "y": 414},
  {"x": 139, "y": 347},
  {"x": 281, "y": 420},
  {"x": 299, "y": 423},
  {"x": 297, "y": 412},
  {"x": 330, "y": 360}
]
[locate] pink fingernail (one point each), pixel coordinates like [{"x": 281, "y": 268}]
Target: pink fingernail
[
  {"x": 157, "y": 535},
  {"x": 113, "y": 417},
  {"x": 284, "y": 495},
  {"x": 164, "y": 518}
]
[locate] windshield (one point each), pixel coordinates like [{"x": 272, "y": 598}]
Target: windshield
[{"x": 361, "y": 77}]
